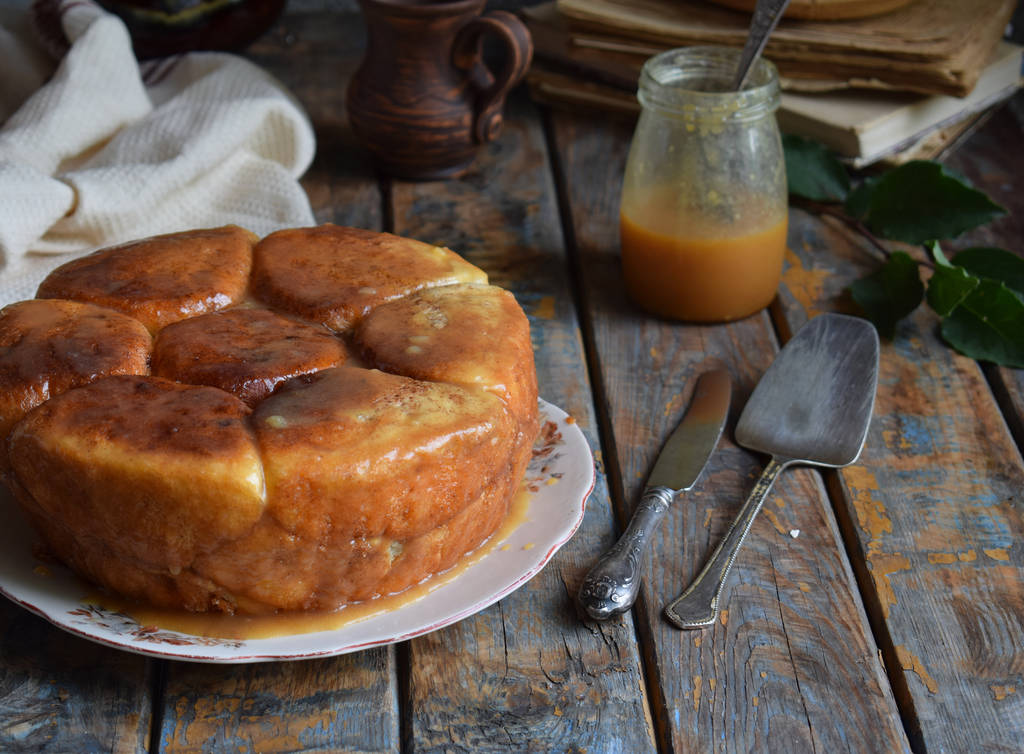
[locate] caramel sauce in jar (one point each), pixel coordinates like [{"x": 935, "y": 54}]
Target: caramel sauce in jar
[{"x": 708, "y": 275}]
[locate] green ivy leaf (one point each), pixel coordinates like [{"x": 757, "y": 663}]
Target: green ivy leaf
[
  {"x": 813, "y": 172},
  {"x": 920, "y": 201},
  {"x": 994, "y": 264},
  {"x": 987, "y": 325},
  {"x": 890, "y": 293},
  {"x": 949, "y": 285}
]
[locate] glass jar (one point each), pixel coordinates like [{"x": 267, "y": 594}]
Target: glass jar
[{"x": 704, "y": 204}]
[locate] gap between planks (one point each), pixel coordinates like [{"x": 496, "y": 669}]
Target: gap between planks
[
  {"x": 869, "y": 598},
  {"x": 997, "y": 379},
  {"x": 873, "y": 608},
  {"x": 609, "y": 455},
  {"x": 157, "y": 686}
]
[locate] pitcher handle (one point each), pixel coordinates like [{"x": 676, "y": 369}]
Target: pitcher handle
[{"x": 467, "y": 55}]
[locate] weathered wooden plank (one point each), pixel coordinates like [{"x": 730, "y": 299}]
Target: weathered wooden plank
[
  {"x": 525, "y": 674},
  {"x": 938, "y": 523},
  {"x": 934, "y": 517},
  {"x": 60, "y": 693},
  {"x": 347, "y": 703},
  {"x": 343, "y": 703},
  {"x": 791, "y": 666}
]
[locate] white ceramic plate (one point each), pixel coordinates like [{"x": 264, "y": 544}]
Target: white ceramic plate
[{"x": 559, "y": 478}]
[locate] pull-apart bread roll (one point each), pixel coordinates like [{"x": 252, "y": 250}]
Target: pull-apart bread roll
[{"x": 211, "y": 421}]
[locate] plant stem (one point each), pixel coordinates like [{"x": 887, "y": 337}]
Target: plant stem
[{"x": 832, "y": 210}]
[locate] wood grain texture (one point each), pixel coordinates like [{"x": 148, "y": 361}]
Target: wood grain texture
[
  {"x": 348, "y": 703},
  {"x": 990, "y": 159},
  {"x": 345, "y": 703},
  {"x": 934, "y": 513},
  {"x": 791, "y": 665},
  {"x": 60, "y": 693},
  {"x": 525, "y": 674}
]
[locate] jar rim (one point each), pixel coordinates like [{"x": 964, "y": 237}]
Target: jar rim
[{"x": 697, "y": 81}]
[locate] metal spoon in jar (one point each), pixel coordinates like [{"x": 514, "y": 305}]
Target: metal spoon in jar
[{"x": 766, "y": 15}]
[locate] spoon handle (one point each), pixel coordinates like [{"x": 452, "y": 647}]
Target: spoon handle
[
  {"x": 698, "y": 606},
  {"x": 766, "y": 15}
]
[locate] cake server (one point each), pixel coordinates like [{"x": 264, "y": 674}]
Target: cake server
[
  {"x": 612, "y": 585},
  {"x": 812, "y": 406}
]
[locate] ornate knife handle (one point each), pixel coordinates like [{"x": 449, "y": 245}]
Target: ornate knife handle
[
  {"x": 698, "y": 606},
  {"x": 612, "y": 584}
]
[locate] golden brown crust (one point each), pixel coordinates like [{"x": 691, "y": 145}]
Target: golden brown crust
[
  {"x": 151, "y": 470},
  {"x": 302, "y": 575},
  {"x": 334, "y": 275},
  {"x": 470, "y": 335},
  {"x": 139, "y": 581},
  {"x": 185, "y": 274},
  {"x": 320, "y": 541},
  {"x": 48, "y": 347},
  {"x": 334, "y": 570},
  {"x": 246, "y": 352},
  {"x": 394, "y": 457}
]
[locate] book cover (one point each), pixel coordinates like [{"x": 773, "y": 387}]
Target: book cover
[
  {"x": 929, "y": 46},
  {"x": 864, "y": 126}
]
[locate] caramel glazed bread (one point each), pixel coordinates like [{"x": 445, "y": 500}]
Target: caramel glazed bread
[{"x": 209, "y": 421}]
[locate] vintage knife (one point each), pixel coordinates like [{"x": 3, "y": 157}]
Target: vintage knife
[{"x": 612, "y": 584}]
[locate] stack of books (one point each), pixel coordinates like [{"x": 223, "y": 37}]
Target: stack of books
[{"x": 889, "y": 86}]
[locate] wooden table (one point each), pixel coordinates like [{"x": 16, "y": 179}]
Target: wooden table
[{"x": 893, "y": 621}]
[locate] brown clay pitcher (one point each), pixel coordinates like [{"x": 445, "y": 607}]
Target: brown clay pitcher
[{"x": 423, "y": 99}]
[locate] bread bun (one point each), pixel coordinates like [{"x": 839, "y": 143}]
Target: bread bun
[
  {"x": 49, "y": 346},
  {"x": 162, "y": 279},
  {"x": 333, "y": 276},
  {"x": 245, "y": 351}
]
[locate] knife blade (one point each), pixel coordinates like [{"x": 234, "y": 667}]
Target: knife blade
[{"x": 612, "y": 585}]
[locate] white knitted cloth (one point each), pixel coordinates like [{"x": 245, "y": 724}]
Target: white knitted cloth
[{"x": 108, "y": 150}]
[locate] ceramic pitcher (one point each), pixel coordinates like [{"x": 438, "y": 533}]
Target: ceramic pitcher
[{"x": 424, "y": 99}]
